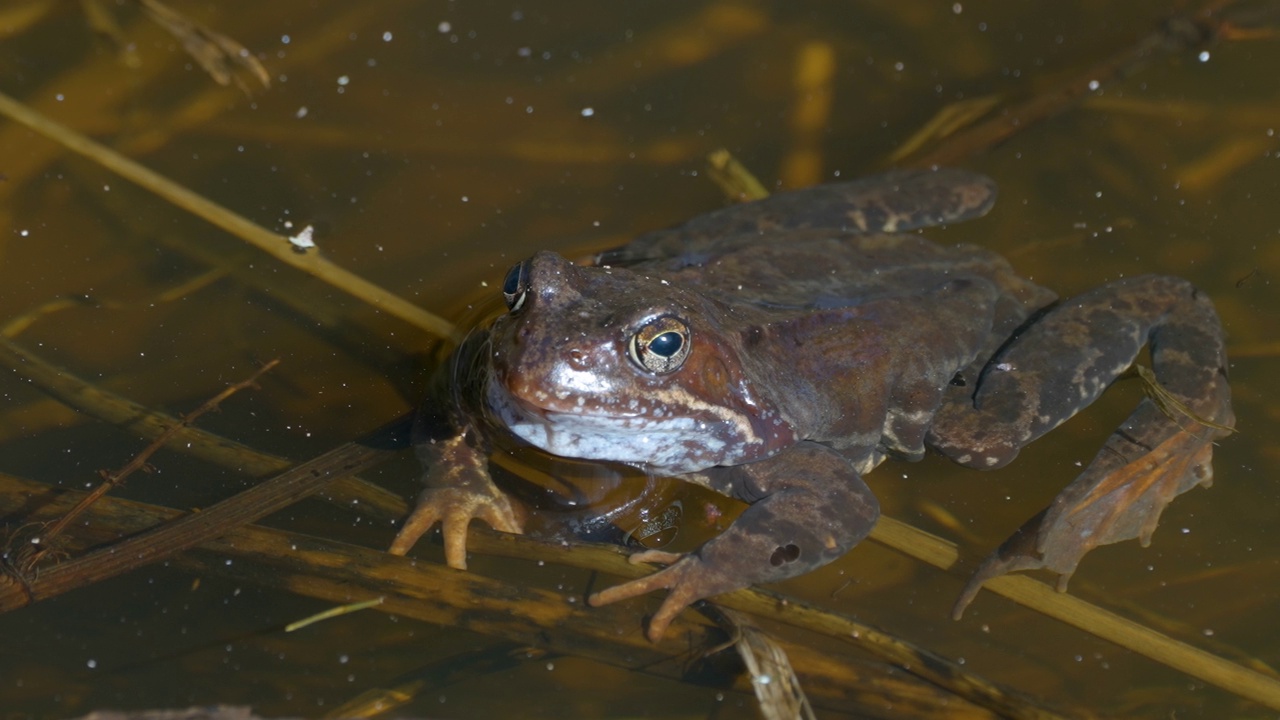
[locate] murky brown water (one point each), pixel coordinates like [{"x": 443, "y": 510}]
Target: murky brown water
[{"x": 432, "y": 144}]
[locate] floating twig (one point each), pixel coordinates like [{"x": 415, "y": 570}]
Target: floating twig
[
  {"x": 333, "y": 612},
  {"x": 79, "y": 394},
  {"x": 271, "y": 243},
  {"x": 113, "y": 479},
  {"x": 187, "y": 531},
  {"x": 734, "y": 179},
  {"x": 1169, "y": 404}
]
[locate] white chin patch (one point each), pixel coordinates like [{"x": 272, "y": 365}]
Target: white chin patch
[{"x": 669, "y": 445}]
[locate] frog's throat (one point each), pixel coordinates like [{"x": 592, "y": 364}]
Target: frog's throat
[{"x": 670, "y": 444}]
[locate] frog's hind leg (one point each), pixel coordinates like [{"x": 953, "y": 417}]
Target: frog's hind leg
[{"x": 1061, "y": 363}]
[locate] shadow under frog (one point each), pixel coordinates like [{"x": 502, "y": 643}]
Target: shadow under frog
[{"x": 779, "y": 350}]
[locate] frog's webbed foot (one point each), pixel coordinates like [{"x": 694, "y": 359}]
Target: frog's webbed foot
[
  {"x": 1119, "y": 496},
  {"x": 686, "y": 576},
  {"x": 458, "y": 489}
]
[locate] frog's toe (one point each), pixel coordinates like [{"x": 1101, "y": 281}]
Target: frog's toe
[
  {"x": 660, "y": 557},
  {"x": 661, "y": 580},
  {"x": 1016, "y": 553},
  {"x": 687, "y": 579},
  {"x": 454, "y": 509},
  {"x": 499, "y": 514},
  {"x": 422, "y": 519},
  {"x": 682, "y": 595}
]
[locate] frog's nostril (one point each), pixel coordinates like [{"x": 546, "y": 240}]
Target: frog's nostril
[{"x": 578, "y": 359}]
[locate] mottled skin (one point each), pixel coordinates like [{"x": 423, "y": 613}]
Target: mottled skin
[{"x": 779, "y": 350}]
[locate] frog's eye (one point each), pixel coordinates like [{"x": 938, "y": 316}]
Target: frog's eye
[
  {"x": 516, "y": 286},
  {"x": 661, "y": 345}
]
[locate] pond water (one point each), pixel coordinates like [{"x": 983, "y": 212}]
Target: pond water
[{"x": 432, "y": 144}]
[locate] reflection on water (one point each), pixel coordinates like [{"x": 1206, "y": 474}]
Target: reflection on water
[{"x": 432, "y": 145}]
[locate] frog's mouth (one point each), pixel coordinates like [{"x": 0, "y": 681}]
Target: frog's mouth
[{"x": 671, "y": 445}]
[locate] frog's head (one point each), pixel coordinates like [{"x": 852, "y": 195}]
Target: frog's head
[{"x": 607, "y": 364}]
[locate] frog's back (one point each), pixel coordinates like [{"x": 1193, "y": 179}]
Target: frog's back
[{"x": 832, "y": 246}]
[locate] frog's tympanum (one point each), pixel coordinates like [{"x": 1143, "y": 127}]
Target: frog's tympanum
[{"x": 777, "y": 351}]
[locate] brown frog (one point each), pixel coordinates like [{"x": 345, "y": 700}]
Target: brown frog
[{"x": 779, "y": 350}]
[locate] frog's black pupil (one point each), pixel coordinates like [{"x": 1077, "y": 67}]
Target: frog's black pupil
[{"x": 666, "y": 345}]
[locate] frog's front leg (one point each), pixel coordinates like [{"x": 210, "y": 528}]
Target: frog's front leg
[
  {"x": 808, "y": 507},
  {"x": 459, "y": 489},
  {"x": 1063, "y": 362}
]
